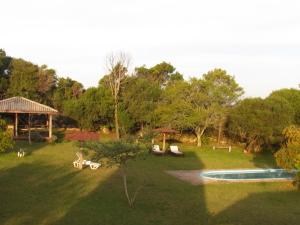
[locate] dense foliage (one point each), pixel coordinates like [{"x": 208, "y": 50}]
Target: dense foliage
[
  {"x": 288, "y": 156},
  {"x": 6, "y": 141},
  {"x": 259, "y": 122}
]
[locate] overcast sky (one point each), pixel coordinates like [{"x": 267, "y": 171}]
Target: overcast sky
[{"x": 257, "y": 41}]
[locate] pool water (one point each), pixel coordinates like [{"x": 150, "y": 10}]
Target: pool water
[{"x": 253, "y": 174}]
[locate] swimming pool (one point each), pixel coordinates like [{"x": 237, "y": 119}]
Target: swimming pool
[{"x": 248, "y": 175}]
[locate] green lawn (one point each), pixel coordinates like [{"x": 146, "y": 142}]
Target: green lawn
[{"x": 44, "y": 188}]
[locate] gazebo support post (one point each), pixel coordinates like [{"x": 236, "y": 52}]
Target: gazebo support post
[
  {"x": 29, "y": 128},
  {"x": 16, "y": 125},
  {"x": 164, "y": 142},
  {"x": 50, "y": 126}
]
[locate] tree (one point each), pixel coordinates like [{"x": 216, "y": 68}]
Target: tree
[
  {"x": 199, "y": 103},
  {"x": 288, "y": 157},
  {"x": 175, "y": 109},
  {"x": 4, "y": 73},
  {"x": 140, "y": 99},
  {"x": 223, "y": 91},
  {"x": 293, "y": 97},
  {"x": 96, "y": 103},
  {"x": 161, "y": 73},
  {"x": 6, "y": 141},
  {"x": 259, "y": 122},
  {"x": 117, "y": 65},
  {"x": 46, "y": 84},
  {"x": 117, "y": 153},
  {"x": 67, "y": 89},
  {"x": 23, "y": 79}
]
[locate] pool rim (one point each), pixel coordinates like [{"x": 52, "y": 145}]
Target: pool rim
[{"x": 201, "y": 175}]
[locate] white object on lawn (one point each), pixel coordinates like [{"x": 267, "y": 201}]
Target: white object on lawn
[
  {"x": 156, "y": 149},
  {"x": 174, "y": 149}
]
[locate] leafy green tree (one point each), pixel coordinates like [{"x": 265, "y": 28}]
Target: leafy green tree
[
  {"x": 161, "y": 73},
  {"x": 6, "y": 141},
  {"x": 259, "y": 122},
  {"x": 140, "y": 99},
  {"x": 46, "y": 84},
  {"x": 119, "y": 153},
  {"x": 223, "y": 92},
  {"x": 23, "y": 79},
  {"x": 175, "y": 109},
  {"x": 4, "y": 73},
  {"x": 67, "y": 89},
  {"x": 92, "y": 109},
  {"x": 288, "y": 157},
  {"x": 199, "y": 103},
  {"x": 293, "y": 97}
]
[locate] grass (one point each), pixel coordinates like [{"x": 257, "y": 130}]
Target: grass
[{"x": 44, "y": 188}]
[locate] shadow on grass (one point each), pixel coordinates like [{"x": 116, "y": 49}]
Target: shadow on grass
[
  {"x": 29, "y": 148},
  {"x": 33, "y": 193},
  {"x": 264, "y": 160},
  {"x": 163, "y": 199},
  {"x": 263, "y": 208}
]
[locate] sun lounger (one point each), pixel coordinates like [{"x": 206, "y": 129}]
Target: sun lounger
[
  {"x": 93, "y": 165},
  {"x": 174, "y": 150},
  {"x": 156, "y": 150},
  {"x": 80, "y": 162}
]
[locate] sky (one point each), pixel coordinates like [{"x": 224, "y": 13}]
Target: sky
[{"x": 257, "y": 41}]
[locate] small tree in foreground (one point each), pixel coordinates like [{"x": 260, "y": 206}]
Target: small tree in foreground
[
  {"x": 6, "y": 141},
  {"x": 118, "y": 153}
]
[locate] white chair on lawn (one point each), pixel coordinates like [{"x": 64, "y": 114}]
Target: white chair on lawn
[
  {"x": 156, "y": 150},
  {"x": 92, "y": 165},
  {"x": 174, "y": 150}
]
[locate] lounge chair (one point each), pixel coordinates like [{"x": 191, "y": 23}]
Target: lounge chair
[
  {"x": 174, "y": 150},
  {"x": 93, "y": 165},
  {"x": 21, "y": 153},
  {"x": 80, "y": 162},
  {"x": 156, "y": 150}
]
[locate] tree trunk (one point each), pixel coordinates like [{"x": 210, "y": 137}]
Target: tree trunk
[
  {"x": 117, "y": 121},
  {"x": 126, "y": 188},
  {"x": 220, "y": 128},
  {"x": 199, "y": 132}
]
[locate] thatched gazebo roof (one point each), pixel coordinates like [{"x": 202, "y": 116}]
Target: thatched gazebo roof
[
  {"x": 20, "y": 105},
  {"x": 24, "y": 105}
]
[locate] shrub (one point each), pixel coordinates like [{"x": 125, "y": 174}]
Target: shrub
[{"x": 6, "y": 141}]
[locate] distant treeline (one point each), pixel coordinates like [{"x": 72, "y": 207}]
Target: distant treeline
[{"x": 156, "y": 97}]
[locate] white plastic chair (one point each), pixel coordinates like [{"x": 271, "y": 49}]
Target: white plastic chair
[
  {"x": 156, "y": 149},
  {"x": 174, "y": 149}
]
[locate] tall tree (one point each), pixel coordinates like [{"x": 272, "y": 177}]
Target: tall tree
[
  {"x": 96, "y": 103},
  {"x": 67, "y": 89},
  {"x": 258, "y": 122},
  {"x": 223, "y": 91},
  {"x": 293, "y": 97},
  {"x": 117, "y": 65},
  {"x": 140, "y": 98},
  {"x": 23, "y": 79},
  {"x": 4, "y": 73},
  {"x": 161, "y": 73},
  {"x": 199, "y": 103},
  {"x": 46, "y": 84}
]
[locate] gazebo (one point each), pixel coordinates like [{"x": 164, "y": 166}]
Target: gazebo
[{"x": 21, "y": 105}]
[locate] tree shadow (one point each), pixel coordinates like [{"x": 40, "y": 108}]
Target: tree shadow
[
  {"x": 29, "y": 148},
  {"x": 35, "y": 193},
  {"x": 262, "y": 208},
  {"x": 264, "y": 160}
]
